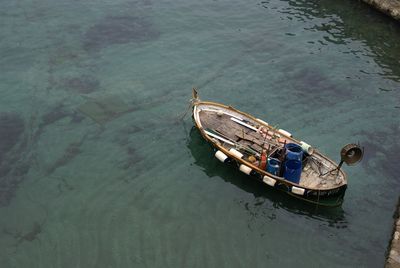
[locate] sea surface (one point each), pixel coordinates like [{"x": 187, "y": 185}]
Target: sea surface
[{"x": 98, "y": 168}]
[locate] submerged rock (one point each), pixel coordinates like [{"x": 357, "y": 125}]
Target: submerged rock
[{"x": 114, "y": 30}]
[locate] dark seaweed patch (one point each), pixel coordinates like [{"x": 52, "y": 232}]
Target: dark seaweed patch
[
  {"x": 55, "y": 114},
  {"x": 378, "y": 157},
  {"x": 132, "y": 159},
  {"x": 11, "y": 175},
  {"x": 312, "y": 81},
  {"x": 388, "y": 165},
  {"x": 77, "y": 117},
  {"x": 70, "y": 153},
  {"x": 14, "y": 164},
  {"x": 316, "y": 87},
  {"x": 64, "y": 185},
  {"x": 33, "y": 233},
  {"x": 28, "y": 237},
  {"x": 104, "y": 109},
  {"x": 4, "y": 170},
  {"x": 12, "y": 168},
  {"x": 62, "y": 55},
  {"x": 119, "y": 30},
  {"x": 7, "y": 190},
  {"x": 84, "y": 84},
  {"x": 11, "y": 129},
  {"x": 21, "y": 169},
  {"x": 20, "y": 237},
  {"x": 131, "y": 130}
]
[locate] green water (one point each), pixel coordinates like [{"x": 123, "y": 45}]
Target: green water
[{"x": 97, "y": 169}]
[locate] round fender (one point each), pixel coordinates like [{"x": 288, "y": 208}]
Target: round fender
[
  {"x": 235, "y": 153},
  {"x": 262, "y": 121},
  {"x": 245, "y": 169},
  {"x": 270, "y": 181},
  {"x": 298, "y": 190},
  {"x": 284, "y": 132},
  {"x": 221, "y": 156},
  {"x": 306, "y": 148}
]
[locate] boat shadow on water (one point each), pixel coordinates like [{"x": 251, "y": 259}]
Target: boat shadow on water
[{"x": 203, "y": 156}]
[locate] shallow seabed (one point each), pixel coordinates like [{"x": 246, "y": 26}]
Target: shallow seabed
[{"x": 98, "y": 170}]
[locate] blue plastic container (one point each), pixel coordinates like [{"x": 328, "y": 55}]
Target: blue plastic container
[
  {"x": 294, "y": 152},
  {"x": 273, "y": 166},
  {"x": 292, "y": 170}
]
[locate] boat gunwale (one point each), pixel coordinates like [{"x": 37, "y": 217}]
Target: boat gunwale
[{"x": 224, "y": 150}]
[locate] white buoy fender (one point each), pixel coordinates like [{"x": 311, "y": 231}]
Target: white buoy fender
[
  {"x": 245, "y": 169},
  {"x": 262, "y": 121},
  {"x": 297, "y": 190},
  {"x": 284, "y": 132},
  {"x": 307, "y": 148},
  {"x": 270, "y": 181},
  {"x": 221, "y": 156},
  {"x": 236, "y": 153}
]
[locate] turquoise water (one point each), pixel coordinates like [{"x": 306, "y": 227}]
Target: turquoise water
[{"x": 98, "y": 170}]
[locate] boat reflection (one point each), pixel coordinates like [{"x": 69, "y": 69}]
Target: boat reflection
[{"x": 263, "y": 195}]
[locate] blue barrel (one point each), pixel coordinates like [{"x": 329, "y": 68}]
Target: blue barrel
[
  {"x": 273, "y": 166},
  {"x": 292, "y": 170},
  {"x": 294, "y": 152}
]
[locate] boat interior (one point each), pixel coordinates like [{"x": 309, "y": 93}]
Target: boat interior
[{"x": 249, "y": 136}]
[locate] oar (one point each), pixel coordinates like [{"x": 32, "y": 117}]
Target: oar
[
  {"x": 243, "y": 124},
  {"x": 218, "y": 137},
  {"x": 230, "y": 141}
]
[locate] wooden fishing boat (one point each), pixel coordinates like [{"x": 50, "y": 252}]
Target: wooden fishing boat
[{"x": 271, "y": 155}]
